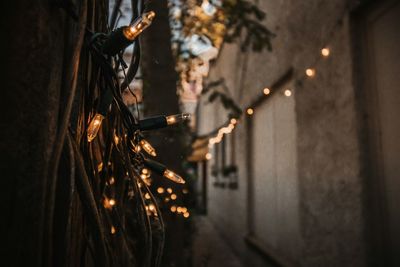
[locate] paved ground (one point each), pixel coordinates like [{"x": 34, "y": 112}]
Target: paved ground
[{"x": 209, "y": 249}]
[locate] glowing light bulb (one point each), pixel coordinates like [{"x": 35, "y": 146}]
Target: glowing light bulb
[
  {"x": 208, "y": 156},
  {"x": 173, "y": 196},
  {"x": 148, "y": 148},
  {"x": 173, "y": 177},
  {"x": 113, "y": 230},
  {"x": 186, "y": 214},
  {"x": 147, "y": 196},
  {"x": 139, "y": 25},
  {"x": 250, "y": 111},
  {"x": 152, "y": 207},
  {"x": 100, "y": 167},
  {"x": 169, "y": 190},
  {"x": 310, "y": 72},
  {"x": 288, "y": 92},
  {"x": 94, "y": 127},
  {"x": 173, "y": 119},
  {"x": 145, "y": 171},
  {"x": 266, "y": 91},
  {"x": 112, "y": 180},
  {"x": 160, "y": 190},
  {"x": 116, "y": 139},
  {"x": 108, "y": 203},
  {"x": 233, "y": 121},
  {"x": 325, "y": 52},
  {"x": 173, "y": 208},
  {"x": 179, "y": 209}
]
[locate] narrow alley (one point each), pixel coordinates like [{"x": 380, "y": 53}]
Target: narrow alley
[{"x": 200, "y": 133}]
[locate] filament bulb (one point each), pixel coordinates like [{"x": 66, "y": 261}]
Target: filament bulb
[
  {"x": 139, "y": 25},
  {"x": 148, "y": 147},
  {"x": 173, "y": 177},
  {"x": 94, "y": 127},
  {"x": 173, "y": 119}
]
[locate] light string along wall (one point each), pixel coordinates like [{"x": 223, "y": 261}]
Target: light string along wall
[{"x": 311, "y": 70}]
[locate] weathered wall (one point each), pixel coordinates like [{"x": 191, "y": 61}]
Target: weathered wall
[{"x": 330, "y": 222}]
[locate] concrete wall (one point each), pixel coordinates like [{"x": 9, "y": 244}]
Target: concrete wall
[{"x": 320, "y": 189}]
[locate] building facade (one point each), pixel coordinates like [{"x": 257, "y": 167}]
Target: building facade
[{"x": 309, "y": 175}]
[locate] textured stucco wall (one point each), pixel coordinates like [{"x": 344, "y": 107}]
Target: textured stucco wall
[{"x": 328, "y": 153}]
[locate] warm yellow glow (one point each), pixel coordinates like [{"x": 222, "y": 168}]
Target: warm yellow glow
[
  {"x": 173, "y": 208},
  {"x": 167, "y": 199},
  {"x": 147, "y": 196},
  {"x": 109, "y": 203},
  {"x": 266, "y": 91},
  {"x": 310, "y": 72},
  {"x": 208, "y": 156},
  {"x": 179, "y": 209},
  {"x": 184, "y": 209},
  {"x": 325, "y": 52},
  {"x": 173, "y": 177},
  {"x": 185, "y": 191},
  {"x": 160, "y": 190},
  {"x": 112, "y": 180},
  {"x": 113, "y": 230},
  {"x": 94, "y": 127},
  {"x": 233, "y": 121},
  {"x": 145, "y": 171},
  {"x": 100, "y": 167},
  {"x": 173, "y": 196},
  {"x": 116, "y": 139},
  {"x": 186, "y": 214},
  {"x": 152, "y": 207},
  {"x": 250, "y": 111},
  {"x": 173, "y": 119},
  {"x": 139, "y": 25},
  {"x": 169, "y": 190},
  {"x": 143, "y": 176},
  {"x": 148, "y": 147},
  {"x": 288, "y": 92}
]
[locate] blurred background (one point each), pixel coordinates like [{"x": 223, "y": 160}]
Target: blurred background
[{"x": 291, "y": 154}]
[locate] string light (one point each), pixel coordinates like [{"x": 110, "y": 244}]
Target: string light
[
  {"x": 186, "y": 214},
  {"x": 288, "y": 92},
  {"x": 173, "y": 119},
  {"x": 266, "y": 91},
  {"x": 169, "y": 190},
  {"x": 160, "y": 190},
  {"x": 148, "y": 147},
  {"x": 173, "y": 196},
  {"x": 147, "y": 196},
  {"x": 111, "y": 181},
  {"x": 208, "y": 156},
  {"x": 310, "y": 72},
  {"x": 94, "y": 127},
  {"x": 233, "y": 121},
  {"x": 113, "y": 230},
  {"x": 173, "y": 208},
  {"x": 139, "y": 25},
  {"x": 122, "y": 37},
  {"x": 250, "y": 111},
  {"x": 325, "y": 52},
  {"x": 173, "y": 176},
  {"x": 162, "y": 170},
  {"x": 100, "y": 167},
  {"x": 159, "y": 122}
]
